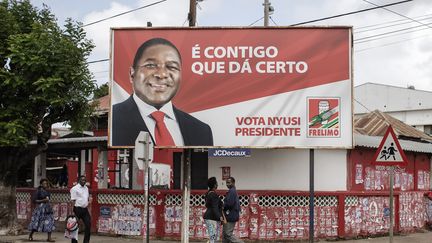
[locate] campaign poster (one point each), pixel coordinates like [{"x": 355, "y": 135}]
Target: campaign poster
[{"x": 229, "y": 87}]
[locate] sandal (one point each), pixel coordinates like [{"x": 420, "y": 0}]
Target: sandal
[{"x": 50, "y": 240}]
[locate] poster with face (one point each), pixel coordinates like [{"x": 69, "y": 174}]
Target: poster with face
[{"x": 250, "y": 87}]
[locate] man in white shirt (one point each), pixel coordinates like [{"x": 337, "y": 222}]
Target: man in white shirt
[{"x": 80, "y": 199}]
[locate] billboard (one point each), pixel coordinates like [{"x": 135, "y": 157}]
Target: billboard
[{"x": 229, "y": 87}]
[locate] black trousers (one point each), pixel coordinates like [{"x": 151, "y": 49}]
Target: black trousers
[{"x": 83, "y": 213}]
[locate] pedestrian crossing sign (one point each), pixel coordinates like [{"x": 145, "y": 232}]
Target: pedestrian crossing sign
[{"x": 389, "y": 151}]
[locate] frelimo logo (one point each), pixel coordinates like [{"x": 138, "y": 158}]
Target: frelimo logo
[{"x": 323, "y": 117}]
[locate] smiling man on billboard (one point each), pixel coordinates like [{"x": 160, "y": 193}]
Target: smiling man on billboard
[{"x": 155, "y": 76}]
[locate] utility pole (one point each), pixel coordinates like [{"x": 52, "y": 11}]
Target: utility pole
[
  {"x": 187, "y": 157},
  {"x": 266, "y": 5},
  {"x": 186, "y": 194},
  {"x": 192, "y": 13}
]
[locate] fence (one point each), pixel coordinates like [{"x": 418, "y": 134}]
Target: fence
[{"x": 265, "y": 215}]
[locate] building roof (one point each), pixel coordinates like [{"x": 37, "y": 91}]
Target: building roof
[
  {"x": 408, "y": 89},
  {"x": 407, "y": 145},
  {"x": 75, "y": 142},
  {"x": 103, "y": 106},
  {"x": 375, "y": 124},
  {"x": 388, "y": 98}
]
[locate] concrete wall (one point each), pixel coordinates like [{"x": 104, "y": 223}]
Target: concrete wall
[
  {"x": 419, "y": 118},
  {"x": 284, "y": 169},
  {"x": 390, "y": 98}
]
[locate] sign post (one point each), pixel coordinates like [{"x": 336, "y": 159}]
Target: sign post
[
  {"x": 144, "y": 156},
  {"x": 391, "y": 203},
  {"x": 390, "y": 153}
]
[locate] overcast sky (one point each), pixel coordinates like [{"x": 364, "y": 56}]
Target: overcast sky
[{"x": 398, "y": 58}]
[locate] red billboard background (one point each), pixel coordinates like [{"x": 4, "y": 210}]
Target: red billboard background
[{"x": 326, "y": 51}]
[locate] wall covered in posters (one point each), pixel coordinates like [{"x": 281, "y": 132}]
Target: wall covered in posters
[
  {"x": 125, "y": 220},
  {"x": 365, "y": 176}
]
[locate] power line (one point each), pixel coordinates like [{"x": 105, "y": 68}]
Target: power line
[
  {"x": 391, "y": 43},
  {"x": 387, "y": 34},
  {"x": 387, "y": 26},
  {"x": 391, "y": 11},
  {"x": 335, "y": 16},
  {"x": 362, "y": 105},
  {"x": 273, "y": 21},
  {"x": 96, "y": 61},
  {"x": 256, "y": 21},
  {"x": 101, "y": 71},
  {"x": 120, "y": 14},
  {"x": 405, "y": 21},
  {"x": 186, "y": 20},
  {"x": 349, "y": 13}
]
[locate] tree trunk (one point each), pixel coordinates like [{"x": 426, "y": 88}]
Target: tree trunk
[
  {"x": 11, "y": 159},
  {"x": 8, "y": 214}
]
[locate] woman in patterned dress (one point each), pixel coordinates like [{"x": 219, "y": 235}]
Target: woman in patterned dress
[
  {"x": 42, "y": 219},
  {"x": 213, "y": 214}
]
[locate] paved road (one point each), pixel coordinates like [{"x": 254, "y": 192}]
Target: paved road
[{"x": 41, "y": 237}]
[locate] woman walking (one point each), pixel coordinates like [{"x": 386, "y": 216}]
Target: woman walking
[
  {"x": 213, "y": 214},
  {"x": 42, "y": 219}
]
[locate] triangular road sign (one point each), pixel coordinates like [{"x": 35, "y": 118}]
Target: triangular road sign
[{"x": 389, "y": 151}]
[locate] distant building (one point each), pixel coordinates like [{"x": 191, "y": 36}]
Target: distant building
[{"x": 413, "y": 107}]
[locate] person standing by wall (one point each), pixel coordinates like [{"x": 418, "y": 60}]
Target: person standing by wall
[
  {"x": 213, "y": 214},
  {"x": 80, "y": 199},
  {"x": 63, "y": 177},
  {"x": 231, "y": 211},
  {"x": 42, "y": 219}
]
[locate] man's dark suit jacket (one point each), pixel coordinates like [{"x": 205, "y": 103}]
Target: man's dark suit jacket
[{"x": 127, "y": 124}]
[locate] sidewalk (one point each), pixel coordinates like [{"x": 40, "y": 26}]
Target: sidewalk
[{"x": 58, "y": 237}]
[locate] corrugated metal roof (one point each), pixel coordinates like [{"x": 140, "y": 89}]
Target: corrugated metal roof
[
  {"x": 375, "y": 124},
  {"x": 407, "y": 145},
  {"x": 75, "y": 140}
]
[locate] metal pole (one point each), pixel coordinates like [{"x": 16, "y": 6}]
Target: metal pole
[
  {"x": 391, "y": 203},
  {"x": 266, "y": 12},
  {"x": 192, "y": 13},
  {"x": 311, "y": 194},
  {"x": 119, "y": 164},
  {"x": 130, "y": 161},
  {"x": 186, "y": 195},
  {"x": 147, "y": 238},
  {"x": 146, "y": 161},
  {"x": 148, "y": 202}
]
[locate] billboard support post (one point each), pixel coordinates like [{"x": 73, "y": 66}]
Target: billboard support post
[
  {"x": 186, "y": 195},
  {"x": 311, "y": 194},
  {"x": 144, "y": 152}
]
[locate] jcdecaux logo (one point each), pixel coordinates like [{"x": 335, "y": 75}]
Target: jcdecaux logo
[{"x": 229, "y": 152}]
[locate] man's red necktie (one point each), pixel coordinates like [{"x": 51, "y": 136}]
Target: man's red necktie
[{"x": 162, "y": 135}]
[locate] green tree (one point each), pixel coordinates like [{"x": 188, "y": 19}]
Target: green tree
[
  {"x": 101, "y": 91},
  {"x": 48, "y": 82}
]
